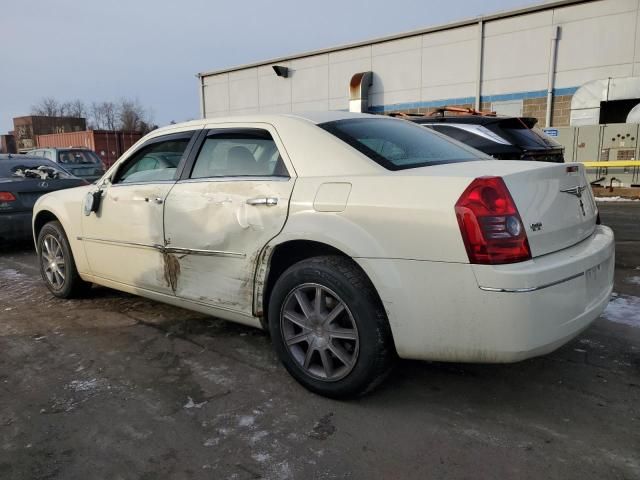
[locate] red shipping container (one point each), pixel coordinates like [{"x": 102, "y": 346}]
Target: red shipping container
[{"x": 108, "y": 144}]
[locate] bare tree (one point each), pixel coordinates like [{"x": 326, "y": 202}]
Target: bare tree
[
  {"x": 74, "y": 108},
  {"x": 126, "y": 114},
  {"x": 104, "y": 116},
  {"x": 48, "y": 106},
  {"x": 131, "y": 115}
]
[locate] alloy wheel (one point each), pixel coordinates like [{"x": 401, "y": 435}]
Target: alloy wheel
[
  {"x": 53, "y": 261},
  {"x": 319, "y": 332}
]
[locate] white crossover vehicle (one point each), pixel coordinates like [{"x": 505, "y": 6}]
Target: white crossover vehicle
[{"x": 351, "y": 238}]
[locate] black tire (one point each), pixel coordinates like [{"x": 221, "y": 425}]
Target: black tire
[
  {"x": 373, "y": 354},
  {"x": 71, "y": 286}
]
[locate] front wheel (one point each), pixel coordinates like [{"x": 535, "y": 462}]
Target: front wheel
[
  {"x": 329, "y": 327},
  {"x": 57, "y": 266}
]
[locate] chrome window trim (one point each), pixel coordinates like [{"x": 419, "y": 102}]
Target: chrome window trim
[
  {"x": 531, "y": 289},
  {"x": 164, "y": 182},
  {"x": 237, "y": 178}
]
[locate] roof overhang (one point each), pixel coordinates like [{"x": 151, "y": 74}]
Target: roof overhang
[{"x": 448, "y": 26}]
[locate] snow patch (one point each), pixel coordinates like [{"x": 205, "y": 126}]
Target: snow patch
[
  {"x": 624, "y": 309},
  {"x": 191, "y": 404},
  {"x": 256, "y": 437},
  {"x": 261, "y": 457},
  {"x": 615, "y": 199},
  {"x": 211, "y": 442},
  {"x": 246, "y": 421},
  {"x": 633, "y": 280},
  {"x": 83, "y": 385},
  {"x": 11, "y": 274}
]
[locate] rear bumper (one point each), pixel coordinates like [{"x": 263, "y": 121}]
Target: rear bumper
[
  {"x": 15, "y": 226},
  {"x": 495, "y": 314}
]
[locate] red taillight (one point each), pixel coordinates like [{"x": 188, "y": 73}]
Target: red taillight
[
  {"x": 7, "y": 197},
  {"x": 490, "y": 224}
]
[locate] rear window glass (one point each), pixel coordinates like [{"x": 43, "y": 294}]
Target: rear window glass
[
  {"x": 398, "y": 145},
  {"x": 38, "y": 169},
  {"x": 77, "y": 157},
  {"x": 519, "y": 133}
]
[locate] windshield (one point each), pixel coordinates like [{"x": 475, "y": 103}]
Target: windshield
[
  {"x": 77, "y": 157},
  {"x": 397, "y": 144},
  {"x": 38, "y": 169}
]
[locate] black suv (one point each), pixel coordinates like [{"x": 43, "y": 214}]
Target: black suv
[{"x": 504, "y": 138}]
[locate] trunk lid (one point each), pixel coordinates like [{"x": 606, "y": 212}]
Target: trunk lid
[
  {"x": 555, "y": 201},
  {"x": 556, "y": 205}
]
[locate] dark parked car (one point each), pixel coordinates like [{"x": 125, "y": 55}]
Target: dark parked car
[
  {"x": 504, "y": 138},
  {"x": 79, "y": 161},
  {"x": 23, "y": 180}
]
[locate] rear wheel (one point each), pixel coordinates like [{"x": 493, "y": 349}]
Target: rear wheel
[
  {"x": 57, "y": 266},
  {"x": 329, "y": 328}
]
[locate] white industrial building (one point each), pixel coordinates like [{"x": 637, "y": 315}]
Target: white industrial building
[{"x": 510, "y": 62}]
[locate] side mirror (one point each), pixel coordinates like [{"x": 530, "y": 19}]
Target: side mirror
[{"x": 92, "y": 202}]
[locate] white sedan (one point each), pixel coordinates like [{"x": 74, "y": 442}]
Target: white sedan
[{"x": 352, "y": 238}]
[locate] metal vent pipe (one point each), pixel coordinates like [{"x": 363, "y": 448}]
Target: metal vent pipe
[{"x": 359, "y": 91}]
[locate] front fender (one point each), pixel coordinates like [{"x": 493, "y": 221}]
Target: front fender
[{"x": 66, "y": 207}]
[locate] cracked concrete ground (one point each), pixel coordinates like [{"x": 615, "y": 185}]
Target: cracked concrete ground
[{"x": 118, "y": 387}]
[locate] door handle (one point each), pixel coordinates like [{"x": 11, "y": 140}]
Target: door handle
[
  {"x": 157, "y": 200},
  {"x": 268, "y": 201}
]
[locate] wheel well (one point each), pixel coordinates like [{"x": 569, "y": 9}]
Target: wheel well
[
  {"x": 42, "y": 218},
  {"x": 287, "y": 254}
]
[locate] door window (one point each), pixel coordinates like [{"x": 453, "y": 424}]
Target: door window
[
  {"x": 156, "y": 161},
  {"x": 245, "y": 153}
]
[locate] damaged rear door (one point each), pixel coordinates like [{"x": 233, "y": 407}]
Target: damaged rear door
[
  {"x": 231, "y": 200},
  {"x": 124, "y": 239}
]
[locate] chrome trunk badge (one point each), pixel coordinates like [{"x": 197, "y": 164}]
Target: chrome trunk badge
[{"x": 576, "y": 191}]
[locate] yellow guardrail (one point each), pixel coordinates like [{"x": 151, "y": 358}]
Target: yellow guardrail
[{"x": 612, "y": 164}]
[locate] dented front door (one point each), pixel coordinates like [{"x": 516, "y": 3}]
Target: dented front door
[
  {"x": 221, "y": 215},
  {"x": 124, "y": 239}
]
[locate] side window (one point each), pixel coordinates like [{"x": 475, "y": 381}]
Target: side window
[
  {"x": 156, "y": 161},
  {"x": 47, "y": 154},
  {"x": 239, "y": 153}
]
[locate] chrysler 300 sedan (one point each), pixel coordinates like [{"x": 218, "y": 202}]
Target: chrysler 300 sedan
[{"x": 353, "y": 239}]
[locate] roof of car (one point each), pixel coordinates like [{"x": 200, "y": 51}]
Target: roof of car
[
  {"x": 60, "y": 148},
  {"x": 316, "y": 117},
  {"x": 468, "y": 119}
]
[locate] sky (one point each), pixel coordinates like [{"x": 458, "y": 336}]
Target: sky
[{"x": 151, "y": 50}]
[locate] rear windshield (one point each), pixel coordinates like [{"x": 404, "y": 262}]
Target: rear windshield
[
  {"x": 38, "y": 169},
  {"x": 525, "y": 136},
  {"x": 397, "y": 144},
  {"x": 77, "y": 157}
]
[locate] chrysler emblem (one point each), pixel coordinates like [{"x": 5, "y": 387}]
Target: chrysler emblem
[
  {"x": 577, "y": 190},
  {"x": 43, "y": 184}
]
